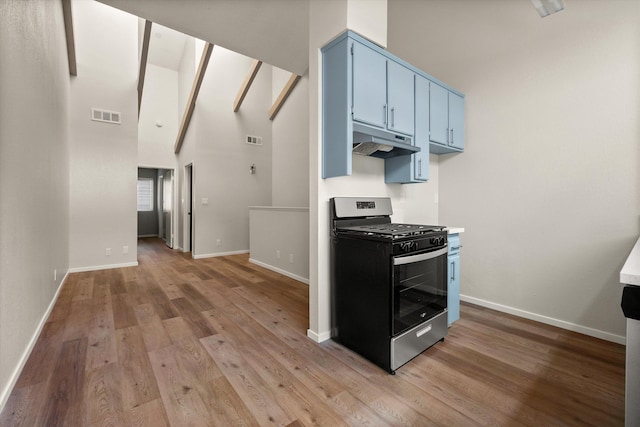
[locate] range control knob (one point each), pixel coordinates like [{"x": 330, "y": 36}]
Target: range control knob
[{"x": 407, "y": 246}]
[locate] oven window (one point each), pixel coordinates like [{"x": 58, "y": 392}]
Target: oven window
[{"x": 419, "y": 292}]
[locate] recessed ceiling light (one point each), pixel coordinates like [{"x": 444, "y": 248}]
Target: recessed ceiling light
[{"x": 547, "y": 7}]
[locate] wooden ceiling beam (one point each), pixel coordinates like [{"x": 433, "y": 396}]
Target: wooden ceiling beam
[
  {"x": 255, "y": 66},
  {"x": 143, "y": 61},
  {"x": 284, "y": 94},
  {"x": 71, "y": 44},
  {"x": 191, "y": 103}
]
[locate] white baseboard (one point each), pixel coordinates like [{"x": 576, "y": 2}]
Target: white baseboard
[
  {"x": 279, "y": 270},
  {"x": 102, "y": 267},
  {"x": 217, "y": 254},
  {"x": 148, "y": 235},
  {"x": 13, "y": 379},
  {"x": 321, "y": 337},
  {"x": 619, "y": 339}
]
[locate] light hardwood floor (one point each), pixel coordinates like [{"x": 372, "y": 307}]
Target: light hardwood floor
[{"x": 220, "y": 341}]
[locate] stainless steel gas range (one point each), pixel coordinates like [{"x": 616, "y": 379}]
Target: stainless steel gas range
[{"x": 389, "y": 282}]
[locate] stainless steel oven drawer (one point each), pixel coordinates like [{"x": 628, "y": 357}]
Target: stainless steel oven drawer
[{"x": 414, "y": 341}]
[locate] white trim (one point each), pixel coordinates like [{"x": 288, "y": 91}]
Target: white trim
[
  {"x": 321, "y": 337},
  {"x": 13, "y": 379},
  {"x": 279, "y": 270},
  {"x": 148, "y": 235},
  {"x": 619, "y": 339},
  {"x": 102, "y": 267},
  {"x": 246, "y": 251}
]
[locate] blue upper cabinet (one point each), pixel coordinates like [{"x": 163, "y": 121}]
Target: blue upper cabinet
[
  {"x": 446, "y": 120},
  {"x": 370, "y": 97},
  {"x": 369, "y": 86},
  {"x": 400, "y": 93},
  {"x": 438, "y": 114},
  {"x": 415, "y": 168},
  {"x": 382, "y": 91},
  {"x": 456, "y": 121},
  {"x": 421, "y": 158}
]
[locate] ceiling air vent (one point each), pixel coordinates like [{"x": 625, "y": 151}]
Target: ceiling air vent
[
  {"x": 106, "y": 116},
  {"x": 254, "y": 140}
]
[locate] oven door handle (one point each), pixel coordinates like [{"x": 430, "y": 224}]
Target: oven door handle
[{"x": 420, "y": 257}]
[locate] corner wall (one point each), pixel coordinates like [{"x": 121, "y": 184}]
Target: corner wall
[
  {"x": 215, "y": 144},
  {"x": 34, "y": 175},
  {"x": 104, "y": 156},
  {"x": 290, "y": 135}
]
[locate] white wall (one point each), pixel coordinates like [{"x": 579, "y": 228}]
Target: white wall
[
  {"x": 280, "y": 240},
  {"x": 216, "y": 145},
  {"x": 103, "y": 156},
  {"x": 548, "y": 187},
  {"x": 34, "y": 174},
  {"x": 159, "y": 104},
  {"x": 290, "y": 134}
]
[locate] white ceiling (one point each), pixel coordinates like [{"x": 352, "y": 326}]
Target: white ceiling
[
  {"x": 273, "y": 31},
  {"x": 166, "y": 47}
]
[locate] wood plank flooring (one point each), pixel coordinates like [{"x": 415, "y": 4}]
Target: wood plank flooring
[{"x": 220, "y": 341}]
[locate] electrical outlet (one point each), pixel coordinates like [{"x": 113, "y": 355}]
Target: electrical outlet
[
  {"x": 278, "y": 254},
  {"x": 291, "y": 258},
  {"x": 55, "y": 275},
  {"x": 125, "y": 249},
  {"x": 108, "y": 251},
  {"x": 218, "y": 242}
]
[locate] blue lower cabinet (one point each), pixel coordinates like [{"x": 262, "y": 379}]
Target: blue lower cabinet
[{"x": 453, "y": 293}]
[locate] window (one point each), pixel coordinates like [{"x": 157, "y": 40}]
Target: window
[{"x": 145, "y": 194}]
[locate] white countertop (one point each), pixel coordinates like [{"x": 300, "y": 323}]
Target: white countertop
[
  {"x": 630, "y": 273},
  {"x": 279, "y": 208},
  {"x": 456, "y": 230}
]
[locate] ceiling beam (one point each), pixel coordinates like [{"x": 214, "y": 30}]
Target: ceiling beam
[
  {"x": 143, "y": 61},
  {"x": 191, "y": 103},
  {"x": 71, "y": 44},
  {"x": 286, "y": 91},
  {"x": 246, "y": 85}
]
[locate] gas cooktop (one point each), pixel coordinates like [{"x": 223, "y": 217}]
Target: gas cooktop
[{"x": 391, "y": 230}]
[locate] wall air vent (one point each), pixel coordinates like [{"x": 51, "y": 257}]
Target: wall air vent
[
  {"x": 254, "y": 140},
  {"x": 105, "y": 116}
]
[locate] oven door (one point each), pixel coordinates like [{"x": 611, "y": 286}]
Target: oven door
[{"x": 419, "y": 288}]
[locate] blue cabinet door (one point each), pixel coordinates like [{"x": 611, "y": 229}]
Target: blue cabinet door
[
  {"x": 369, "y": 86},
  {"x": 456, "y": 121},
  {"x": 414, "y": 168},
  {"x": 438, "y": 114},
  {"x": 421, "y": 158},
  {"x": 453, "y": 291},
  {"x": 453, "y": 294},
  {"x": 400, "y": 94}
]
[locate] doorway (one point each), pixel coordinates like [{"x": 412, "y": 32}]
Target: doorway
[{"x": 156, "y": 203}]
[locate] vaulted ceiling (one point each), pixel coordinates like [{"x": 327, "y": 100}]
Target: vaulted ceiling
[{"x": 274, "y": 31}]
